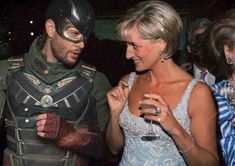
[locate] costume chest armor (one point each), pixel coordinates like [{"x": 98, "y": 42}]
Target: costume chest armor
[{"x": 29, "y": 96}]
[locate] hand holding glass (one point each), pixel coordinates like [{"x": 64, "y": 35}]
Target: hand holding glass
[{"x": 150, "y": 135}]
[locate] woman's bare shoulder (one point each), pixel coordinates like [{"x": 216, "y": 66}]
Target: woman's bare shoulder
[
  {"x": 127, "y": 76},
  {"x": 201, "y": 99},
  {"x": 201, "y": 90}
]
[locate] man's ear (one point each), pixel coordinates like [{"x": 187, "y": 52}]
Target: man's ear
[{"x": 50, "y": 27}]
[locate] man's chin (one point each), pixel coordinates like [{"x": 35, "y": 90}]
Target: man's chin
[
  {"x": 71, "y": 64},
  {"x": 72, "y": 61}
]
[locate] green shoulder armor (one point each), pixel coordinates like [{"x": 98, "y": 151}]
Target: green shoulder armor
[
  {"x": 15, "y": 62},
  {"x": 87, "y": 70}
]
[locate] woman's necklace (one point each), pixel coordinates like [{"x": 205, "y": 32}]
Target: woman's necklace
[
  {"x": 231, "y": 99},
  {"x": 231, "y": 91}
]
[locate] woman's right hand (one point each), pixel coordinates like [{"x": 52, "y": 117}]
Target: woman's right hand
[{"x": 117, "y": 97}]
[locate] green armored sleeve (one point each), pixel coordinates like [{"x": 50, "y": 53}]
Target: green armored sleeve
[
  {"x": 3, "y": 72},
  {"x": 101, "y": 86}
]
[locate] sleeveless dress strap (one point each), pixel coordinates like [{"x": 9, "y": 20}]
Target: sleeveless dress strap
[
  {"x": 187, "y": 92},
  {"x": 131, "y": 79}
]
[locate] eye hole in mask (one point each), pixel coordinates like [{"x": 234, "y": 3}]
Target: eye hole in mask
[{"x": 69, "y": 32}]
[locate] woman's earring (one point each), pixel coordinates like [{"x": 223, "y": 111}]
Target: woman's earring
[
  {"x": 229, "y": 61},
  {"x": 162, "y": 58}
]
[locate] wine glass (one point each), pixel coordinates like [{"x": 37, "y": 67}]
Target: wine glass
[{"x": 150, "y": 135}]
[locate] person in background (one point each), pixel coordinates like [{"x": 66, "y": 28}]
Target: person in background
[
  {"x": 56, "y": 106},
  {"x": 221, "y": 55},
  {"x": 196, "y": 54},
  {"x": 159, "y": 115},
  {"x": 5, "y": 49}
]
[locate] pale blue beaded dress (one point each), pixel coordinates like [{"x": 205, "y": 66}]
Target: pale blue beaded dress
[{"x": 160, "y": 152}]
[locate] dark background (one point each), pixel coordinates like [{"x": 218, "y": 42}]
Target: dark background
[
  {"x": 106, "y": 54},
  {"x": 15, "y": 15}
]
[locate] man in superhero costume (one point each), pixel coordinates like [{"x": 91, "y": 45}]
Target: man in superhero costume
[{"x": 54, "y": 106}]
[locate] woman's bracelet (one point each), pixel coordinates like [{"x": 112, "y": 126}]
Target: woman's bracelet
[{"x": 189, "y": 149}]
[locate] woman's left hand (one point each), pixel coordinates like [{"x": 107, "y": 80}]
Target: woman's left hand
[{"x": 164, "y": 117}]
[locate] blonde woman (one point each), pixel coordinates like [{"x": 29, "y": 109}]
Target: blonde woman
[{"x": 159, "y": 115}]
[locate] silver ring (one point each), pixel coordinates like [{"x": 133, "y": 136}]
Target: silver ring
[{"x": 158, "y": 111}]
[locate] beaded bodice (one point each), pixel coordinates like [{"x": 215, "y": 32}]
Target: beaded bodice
[{"x": 160, "y": 152}]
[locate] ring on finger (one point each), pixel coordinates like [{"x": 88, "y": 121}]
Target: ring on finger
[{"x": 158, "y": 111}]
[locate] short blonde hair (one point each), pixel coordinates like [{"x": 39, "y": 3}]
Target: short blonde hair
[{"x": 153, "y": 19}]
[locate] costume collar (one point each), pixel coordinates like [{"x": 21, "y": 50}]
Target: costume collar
[{"x": 37, "y": 63}]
